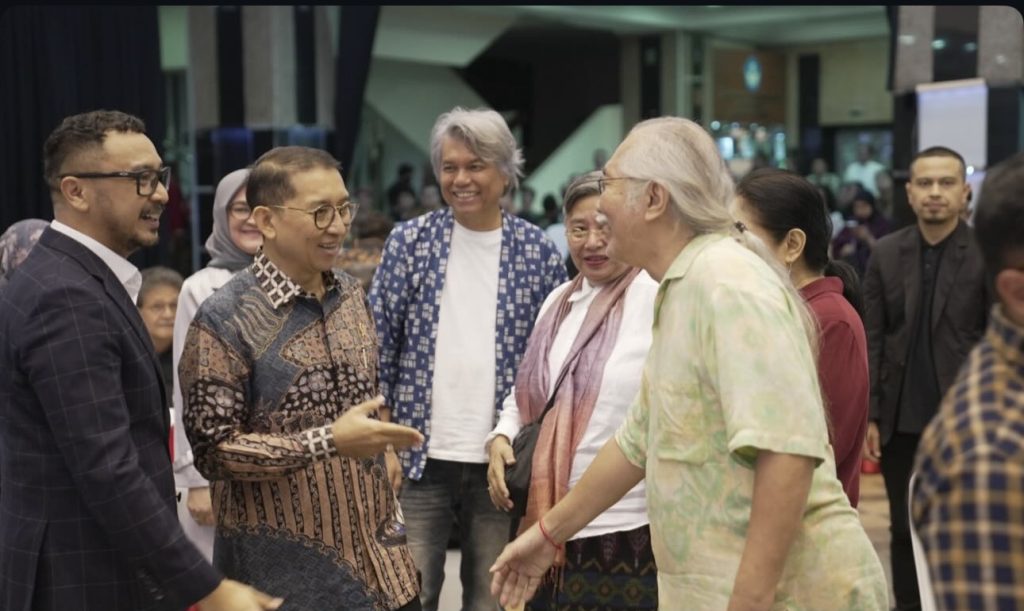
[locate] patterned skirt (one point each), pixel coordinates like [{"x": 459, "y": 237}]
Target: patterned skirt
[{"x": 605, "y": 573}]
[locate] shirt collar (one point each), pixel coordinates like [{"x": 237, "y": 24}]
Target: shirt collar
[
  {"x": 281, "y": 289},
  {"x": 828, "y": 284},
  {"x": 1006, "y": 337},
  {"x": 126, "y": 273},
  {"x": 688, "y": 255},
  {"x": 585, "y": 290}
]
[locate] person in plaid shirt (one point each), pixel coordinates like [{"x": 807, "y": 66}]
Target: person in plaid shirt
[{"x": 968, "y": 500}]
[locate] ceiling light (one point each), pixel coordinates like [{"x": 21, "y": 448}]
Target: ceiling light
[{"x": 938, "y": 44}]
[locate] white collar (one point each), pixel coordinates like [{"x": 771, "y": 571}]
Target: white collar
[
  {"x": 127, "y": 274},
  {"x": 586, "y": 290}
]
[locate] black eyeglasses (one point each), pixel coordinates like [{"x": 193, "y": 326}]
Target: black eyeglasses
[
  {"x": 145, "y": 180},
  {"x": 324, "y": 215},
  {"x": 604, "y": 179}
]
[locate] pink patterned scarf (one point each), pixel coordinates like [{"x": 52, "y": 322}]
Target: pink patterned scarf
[{"x": 566, "y": 422}]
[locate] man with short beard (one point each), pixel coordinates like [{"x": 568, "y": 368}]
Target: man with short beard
[
  {"x": 925, "y": 306},
  {"x": 87, "y": 515}
]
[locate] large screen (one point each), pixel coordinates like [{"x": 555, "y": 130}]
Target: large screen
[{"x": 954, "y": 114}]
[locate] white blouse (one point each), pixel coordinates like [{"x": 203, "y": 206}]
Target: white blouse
[{"x": 619, "y": 386}]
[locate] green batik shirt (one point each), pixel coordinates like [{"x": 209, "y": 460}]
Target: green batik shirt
[{"x": 730, "y": 373}]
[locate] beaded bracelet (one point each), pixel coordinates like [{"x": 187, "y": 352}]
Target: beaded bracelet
[{"x": 544, "y": 532}]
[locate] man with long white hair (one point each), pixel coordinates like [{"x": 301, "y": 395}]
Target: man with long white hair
[{"x": 728, "y": 428}]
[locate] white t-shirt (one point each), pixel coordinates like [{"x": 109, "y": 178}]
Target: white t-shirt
[
  {"x": 462, "y": 410},
  {"x": 619, "y": 386}
]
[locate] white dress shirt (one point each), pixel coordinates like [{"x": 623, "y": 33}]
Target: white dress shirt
[{"x": 127, "y": 274}]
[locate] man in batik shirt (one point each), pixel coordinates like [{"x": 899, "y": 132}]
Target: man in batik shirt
[{"x": 279, "y": 376}]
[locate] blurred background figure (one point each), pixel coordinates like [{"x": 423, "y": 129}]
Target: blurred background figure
[
  {"x": 883, "y": 185},
  {"x": 16, "y": 242},
  {"x": 864, "y": 169},
  {"x": 158, "y": 303},
  {"x": 821, "y": 176},
  {"x": 857, "y": 239},
  {"x": 402, "y": 184},
  {"x": 525, "y": 212},
  {"x": 430, "y": 199},
  {"x": 231, "y": 246},
  {"x": 600, "y": 158},
  {"x": 405, "y": 206},
  {"x": 370, "y": 229},
  {"x": 366, "y": 197}
]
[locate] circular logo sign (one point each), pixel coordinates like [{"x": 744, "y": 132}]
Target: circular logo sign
[{"x": 752, "y": 73}]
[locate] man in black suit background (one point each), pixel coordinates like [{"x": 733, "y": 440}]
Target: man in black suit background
[
  {"x": 87, "y": 511},
  {"x": 926, "y": 304}
]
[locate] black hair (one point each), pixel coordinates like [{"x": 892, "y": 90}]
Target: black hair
[
  {"x": 940, "y": 151},
  {"x": 781, "y": 201},
  {"x": 999, "y": 216}
]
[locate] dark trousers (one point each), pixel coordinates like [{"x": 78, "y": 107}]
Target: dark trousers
[{"x": 897, "y": 464}]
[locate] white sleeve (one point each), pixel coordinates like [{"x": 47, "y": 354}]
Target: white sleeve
[
  {"x": 194, "y": 291},
  {"x": 509, "y": 421}
]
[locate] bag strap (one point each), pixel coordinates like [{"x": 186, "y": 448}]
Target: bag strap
[{"x": 554, "y": 392}]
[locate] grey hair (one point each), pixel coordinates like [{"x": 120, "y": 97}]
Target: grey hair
[
  {"x": 157, "y": 276},
  {"x": 485, "y": 132},
  {"x": 680, "y": 155},
  {"x": 581, "y": 187}
]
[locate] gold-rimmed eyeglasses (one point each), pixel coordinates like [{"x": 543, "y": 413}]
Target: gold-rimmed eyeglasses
[
  {"x": 323, "y": 216},
  {"x": 604, "y": 179},
  {"x": 145, "y": 180}
]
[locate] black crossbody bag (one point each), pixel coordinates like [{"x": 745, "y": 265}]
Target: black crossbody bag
[{"x": 519, "y": 473}]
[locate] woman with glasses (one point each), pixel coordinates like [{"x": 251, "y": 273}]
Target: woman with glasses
[
  {"x": 596, "y": 327},
  {"x": 232, "y": 245}
]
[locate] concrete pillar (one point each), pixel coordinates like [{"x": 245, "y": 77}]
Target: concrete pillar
[
  {"x": 630, "y": 82},
  {"x": 914, "y": 57},
  {"x": 204, "y": 90},
  {"x": 268, "y": 51}
]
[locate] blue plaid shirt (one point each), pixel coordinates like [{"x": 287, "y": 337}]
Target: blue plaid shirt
[
  {"x": 406, "y": 299},
  {"x": 968, "y": 504}
]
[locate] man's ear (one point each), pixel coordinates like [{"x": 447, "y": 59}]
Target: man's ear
[
  {"x": 72, "y": 191},
  {"x": 656, "y": 201},
  {"x": 264, "y": 219}
]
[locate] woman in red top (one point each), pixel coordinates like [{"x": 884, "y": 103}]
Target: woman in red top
[{"x": 788, "y": 214}]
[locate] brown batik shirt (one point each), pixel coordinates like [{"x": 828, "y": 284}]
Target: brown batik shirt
[{"x": 265, "y": 371}]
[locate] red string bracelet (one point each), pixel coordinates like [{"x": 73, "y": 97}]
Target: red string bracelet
[{"x": 544, "y": 532}]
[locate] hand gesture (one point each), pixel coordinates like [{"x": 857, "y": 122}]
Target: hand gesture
[
  {"x": 519, "y": 569},
  {"x": 394, "y": 467},
  {"x": 356, "y": 435},
  {"x": 200, "y": 507},
  {"x": 501, "y": 455},
  {"x": 233, "y": 596}
]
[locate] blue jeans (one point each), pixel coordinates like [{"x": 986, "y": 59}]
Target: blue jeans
[{"x": 450, "y": 490}]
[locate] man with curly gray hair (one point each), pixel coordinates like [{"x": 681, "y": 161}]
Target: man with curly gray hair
[{"x": 454, "y": 301}]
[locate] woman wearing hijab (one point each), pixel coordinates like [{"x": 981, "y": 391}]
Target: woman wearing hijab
[
  {"x": 597, "y": 327},
  {"x": 232, "y": 245},
  {"x": 16, "y": 242}
]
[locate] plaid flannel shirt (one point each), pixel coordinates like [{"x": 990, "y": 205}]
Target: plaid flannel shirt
[{"x": 968, "y": 500}]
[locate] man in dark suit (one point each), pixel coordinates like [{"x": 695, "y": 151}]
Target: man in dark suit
[
  {"x": 926, "y": 305},
  {"x": 87, "y": 511}
]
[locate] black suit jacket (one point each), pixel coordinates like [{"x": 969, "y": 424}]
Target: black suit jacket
[
  {"x": 892, "y": 286},
  {"x": 87, "y": 508}
]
